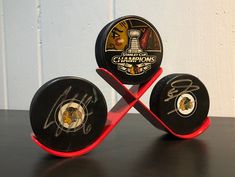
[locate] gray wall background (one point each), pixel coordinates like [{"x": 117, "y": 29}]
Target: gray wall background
[{"x": 41, "y": 40}]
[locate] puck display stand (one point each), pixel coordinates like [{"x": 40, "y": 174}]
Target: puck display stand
[{"x": 130, "y": 98}]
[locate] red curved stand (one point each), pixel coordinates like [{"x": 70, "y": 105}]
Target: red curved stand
[{"x": 130, "y": 98}]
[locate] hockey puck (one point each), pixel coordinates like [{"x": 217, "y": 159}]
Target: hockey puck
[
  {"x": 131, "y": 48},
  {"x": 181, "y": 101},
  {"x": 68, "y": 114}
]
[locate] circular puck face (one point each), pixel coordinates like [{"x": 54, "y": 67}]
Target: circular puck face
[
  {"x": 68, "y": 114},
  {"x": 181, "y": 101},
  {"x": 131, "y": 48}
]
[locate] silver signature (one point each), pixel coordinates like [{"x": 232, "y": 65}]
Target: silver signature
[
  {"x": 85, "y": 101},
  {"x": 180, "y": 87}
]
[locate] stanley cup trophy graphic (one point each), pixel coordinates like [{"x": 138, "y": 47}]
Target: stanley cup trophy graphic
[
  {"x": 134, "y": 60},
  {"x": 134, "y": 44}
]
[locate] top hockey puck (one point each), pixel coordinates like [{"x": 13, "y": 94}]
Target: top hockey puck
[{"x": 130, "y": 47}]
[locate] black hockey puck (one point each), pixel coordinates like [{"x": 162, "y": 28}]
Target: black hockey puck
[
  {"x": 131, "y": 48},
  {"x": 181, "y": 101},
  {"x": 68, "y": 114}
]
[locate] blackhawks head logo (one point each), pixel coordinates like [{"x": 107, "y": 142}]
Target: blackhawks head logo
[
  {"x": 71, "y": 115},
  {"x": 186, "y": 104}
]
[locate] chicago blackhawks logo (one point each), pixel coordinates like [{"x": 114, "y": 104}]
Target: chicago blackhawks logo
[
  {"x": 186, "y": 104},
  {"x": 70, "y": 114}
]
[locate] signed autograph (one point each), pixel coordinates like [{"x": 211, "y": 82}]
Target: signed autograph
[
  {"x": 63, "y": 98},
  {"x": 180, "y": 87}
]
